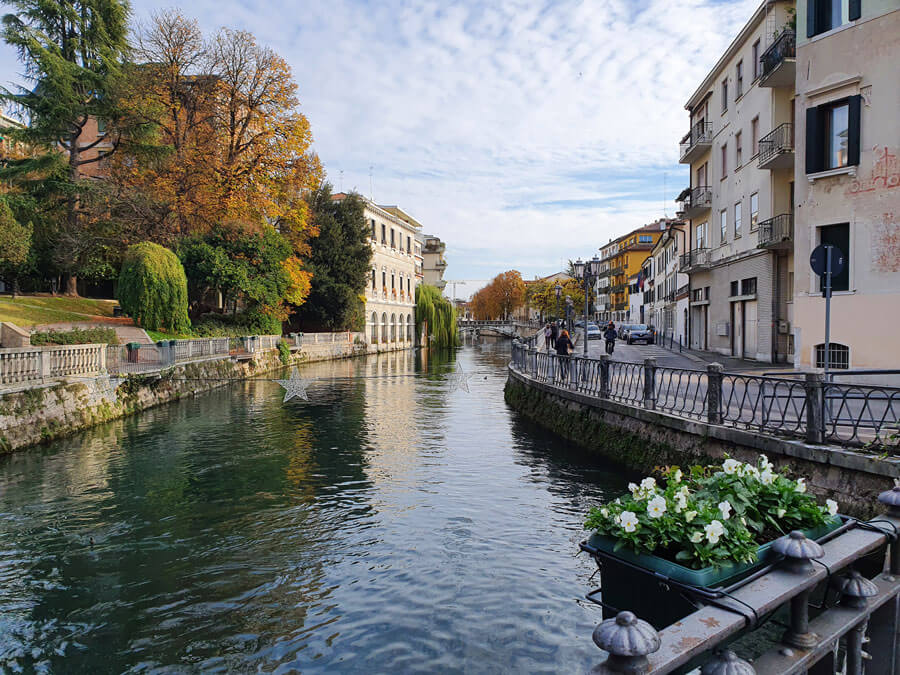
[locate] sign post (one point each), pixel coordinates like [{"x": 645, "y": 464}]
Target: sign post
[{"x": 827, "y": 261}]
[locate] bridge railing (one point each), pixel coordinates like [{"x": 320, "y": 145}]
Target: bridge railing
[{"x": 808, "y": 409}]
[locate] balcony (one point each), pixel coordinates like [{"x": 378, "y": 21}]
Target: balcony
[
  {"x": 617, "y": 270},
  {"x": 779, "y": 61},
  {"x": 777, "y": 233},
  {"x": 694, "y": 261},
  {"x": 697, "y": 202},
  {"x": 618, "y": 288},
  {"x": 776, "y": 149},
  {"x": 697, "y": 141}
]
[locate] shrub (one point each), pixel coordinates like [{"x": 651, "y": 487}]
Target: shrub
[
  {"x": 237, "y": 325},
  {"x": 153, "y": 288},
  {"x": 437, "y": 315},
  {"x": 284, "y": 353},
  {"x": 77, "y": 336}
]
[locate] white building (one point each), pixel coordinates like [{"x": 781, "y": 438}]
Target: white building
[{"x": 670, "y": 285}]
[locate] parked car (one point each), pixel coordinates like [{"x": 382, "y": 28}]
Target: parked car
[
  {"x": 623, "y": 329},
  {"x": 594, "y": 332},
  {"x": 639, "y": 333}
]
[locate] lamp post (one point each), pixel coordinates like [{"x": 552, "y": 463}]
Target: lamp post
[
  {"x": 587, "y": 271},
  {"x": 558, "y": 294}
]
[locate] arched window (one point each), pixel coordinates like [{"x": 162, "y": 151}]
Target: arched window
[
  {"x": 401, "y": 330},
  {"x": 393, "y": 327},
  {"x": 409, "y": 327},
  {"x": 374, "y": 327},
  {"x": 384, "y": 327},
  {"x": 838, "y": 356}
]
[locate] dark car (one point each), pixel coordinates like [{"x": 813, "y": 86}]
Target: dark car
[
  {"x": 639, "y": 333},
  {"x": 623, "y": 329}
]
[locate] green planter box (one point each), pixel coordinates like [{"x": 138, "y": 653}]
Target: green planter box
[{"x": 640, "y": 591}]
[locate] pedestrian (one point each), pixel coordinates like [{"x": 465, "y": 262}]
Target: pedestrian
[
  {"x": 564, "y": 348},
  {"x": 548, "y": 338},
  {"x": 610, "y": 336},
  {"x": 554, "y": 333}
]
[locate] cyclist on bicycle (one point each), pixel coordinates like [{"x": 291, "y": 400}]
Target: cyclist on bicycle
[{"x": 610, "y": 336}]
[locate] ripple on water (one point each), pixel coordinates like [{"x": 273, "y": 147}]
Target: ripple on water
[{"x": 389, "y": 525}]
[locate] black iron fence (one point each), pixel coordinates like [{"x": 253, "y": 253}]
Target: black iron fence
[
  {"x": 701, "y": 132},
  {"x": 776, "y": 230},
  {"x": 784, "y": 47},
  {"x": 808, "y": 409},
  {"x": 776, "y": 142}
]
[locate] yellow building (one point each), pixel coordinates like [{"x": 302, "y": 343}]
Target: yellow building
[{"x": 631, "y": 252}]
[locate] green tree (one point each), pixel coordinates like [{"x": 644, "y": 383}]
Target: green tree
[
  {"x": 255, "y": 268},
  {"x": 72, "y": 51},
  {"x": 436, "y": 316},
  {"x": 153, "y": 288},
  {"x": 340, "y": 262},
  {"x": 15, "y": 245}
]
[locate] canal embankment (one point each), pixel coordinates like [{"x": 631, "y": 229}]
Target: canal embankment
[
  {"x": 640, "y": 437},
  {"x": 67, "y": 389}
]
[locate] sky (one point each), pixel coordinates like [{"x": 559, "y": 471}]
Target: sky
[{"x": 522, "y": 133}]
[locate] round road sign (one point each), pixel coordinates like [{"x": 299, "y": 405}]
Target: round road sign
[{"x": 817, "y": 260}]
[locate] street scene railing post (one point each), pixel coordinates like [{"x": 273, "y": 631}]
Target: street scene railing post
[
  {"x": 815, "y": 407},
  {"x": 604, "y": 376},
  {"x": 714, "y": 373},
  {"x": 650, "y": 384},
  {"x": 798, "y": 552},
  {"x": 628, "y": 641}
]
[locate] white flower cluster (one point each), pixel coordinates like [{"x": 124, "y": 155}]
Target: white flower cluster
[{"x": 645, "y": 490}]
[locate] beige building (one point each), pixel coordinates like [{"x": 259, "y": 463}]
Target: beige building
[
  {"x": 740, "y": 200},
  {"x": 665, "y": 286},
  {"x": 433, "y": 262},
  {"x": 391, "y": 291},
  {"x": 848, "y": 180}
]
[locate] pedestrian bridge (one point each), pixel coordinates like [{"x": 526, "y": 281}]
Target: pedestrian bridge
[{"x": 505, "y": 329}]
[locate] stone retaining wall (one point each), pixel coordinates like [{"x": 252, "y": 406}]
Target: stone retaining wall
[{"x": 643, "y": 439}]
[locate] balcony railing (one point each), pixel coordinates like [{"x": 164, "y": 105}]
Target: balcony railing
[
  {"x": 698, "y": 200},
  {"x": 776, "y": 149},
  {"x": 777, "y": 232},
  {"x": 694, "y": 260},
  {"x": 777, "y": 62},
  {"x": 696, "y": 141}
]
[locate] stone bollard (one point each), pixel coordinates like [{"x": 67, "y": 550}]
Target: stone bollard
[
  {"x": 891, "y": 499},
  {"x": 798, "y": 552},
  {"x": 815, "y": 407},
  {"x": 628, "y": 641},
  {"x": 714, "y": 373},
  {"x": 650, "y": 384},
  {"x": 726, "y": 662}
]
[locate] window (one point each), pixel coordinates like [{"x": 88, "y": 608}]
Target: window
[
  {"x": 723, "y": 226},
  {"x": 737, "y": 220},
  {"x": 754, "y": 136},
  {"x": 701, "y": 236},
  {"x": 383, "y": 234},
  {"x": 645, "y": 239},
  {"x": 739, "y": 80},
  {"x": 757, "y": 71},
  {"x": 373, "y": 278},
  {"x": 825, "y": 15},
  {"x": 724, "y": 160},
  {"x": 790, "y": 287},
  {"x": 408, "y": 286},
  {"x": 738, "y": 150},
  {"x": 735, "y": 289},
  {"x": 725, "y": 94},
  {"x": 408, "y": 249},
  {"x": 833, "y": 135},
  {"x": 374, "y": 233},
  {"x": 374, "y": 327},
  {"x": 748, "y": 286},
  {"x": 754, "y": 211},
  {"x": 383, "y": 280},
  {"x": 393, "y": 243},
  {"x": 838, "y": 356},
  {"x": 839, "y": 237}
]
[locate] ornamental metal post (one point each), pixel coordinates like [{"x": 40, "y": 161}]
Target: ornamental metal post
[
  {"x": 798, "y": 551},
  {"x": 855, "y": 589},
  {"x": 714, "y": 393},
  {"x": 815, "y": 407},
  {"x": 629, "y": 641},
  {"x": 891, "y": 499},
  {"x": 604, "y": 375},
  {"x": 650, "y": 384}
]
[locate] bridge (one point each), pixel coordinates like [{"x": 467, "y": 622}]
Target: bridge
[{"x": 505, "y": 329}]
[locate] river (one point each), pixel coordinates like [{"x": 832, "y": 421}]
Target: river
[{"x": 392, "y": 524}]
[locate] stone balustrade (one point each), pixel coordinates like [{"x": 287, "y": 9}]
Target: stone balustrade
[{"x": 26, "y": 365}]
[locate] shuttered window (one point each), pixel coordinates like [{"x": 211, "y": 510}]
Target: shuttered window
[
  {"x": 833, "y": 135},
  {"x": 825, "y": 15}
]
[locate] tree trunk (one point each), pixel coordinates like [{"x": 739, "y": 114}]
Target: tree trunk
[
  {"x": 15, "y": 287},
  {"x": 72, "y": 285}
]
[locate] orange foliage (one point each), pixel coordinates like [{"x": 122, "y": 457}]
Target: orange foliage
[{"x": 500, "y": 298}]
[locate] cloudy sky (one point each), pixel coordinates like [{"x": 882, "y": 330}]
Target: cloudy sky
[{"x": 521, "y": 132}]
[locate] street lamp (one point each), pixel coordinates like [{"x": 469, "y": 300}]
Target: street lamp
[
  {"x": 558, "y": 294},
  {"x": 587, "y": 272}
]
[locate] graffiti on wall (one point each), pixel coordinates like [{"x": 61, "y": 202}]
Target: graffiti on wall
[
  {"x": 886, "y": 244},
  {"x": 885, "y": 174}
]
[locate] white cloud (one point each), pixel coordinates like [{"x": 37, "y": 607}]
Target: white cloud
[{"x": 521, "y": 133}]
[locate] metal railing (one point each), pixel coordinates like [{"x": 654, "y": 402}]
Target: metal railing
[
  {"x": 701, "y": 132},
  {"x": 699, "y": 257},
  {"x": 698, "y": 199},
  {"x": 784, "y": 47},
  {"x": 808, "y": 409},
  {"x": 776, "y": 230},
  {"x": 776, "y": 142},
  {"x": 141, "y": 358}
]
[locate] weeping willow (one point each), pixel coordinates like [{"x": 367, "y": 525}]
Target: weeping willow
[{"x": 436, "y": 316}]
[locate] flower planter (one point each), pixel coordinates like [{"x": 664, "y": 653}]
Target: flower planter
[{"x": 628, "y": 588}]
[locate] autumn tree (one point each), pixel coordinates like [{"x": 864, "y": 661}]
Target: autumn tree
[
  {"x": 504, "y": 294},
  {"x": 542, "y": 296},
  {"x": 73, "y": 52}
]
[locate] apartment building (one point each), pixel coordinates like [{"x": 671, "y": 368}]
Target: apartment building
[
  {"x": 391, "y": 291},
  {"x": 433, "y": 262},
  {"x": 848, "y": 180},
  {"x": 740, "y": 149},
  {"x": 665, "y": 293},
  {"x": 624, "y": 259},
  {"x": 602, "y": 283}
]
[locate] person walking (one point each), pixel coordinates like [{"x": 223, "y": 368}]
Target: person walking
[
  {"x": 610, "y": 336},
  {"x": 554, "y": 334},
  {"x": 564, "y": 348},
  {"x": 548, "y": 338}
]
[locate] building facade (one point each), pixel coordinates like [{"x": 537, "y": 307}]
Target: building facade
[
  {"x": 433, "y": 263},
  {"x": 848, "y": 180},
  {"x": 624, "y": 259},
  {"x": 740, "y": 149},
  {"x": 666, "y": 291}
]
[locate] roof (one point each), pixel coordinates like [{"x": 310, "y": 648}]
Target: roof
[{"x": 402, "y": 215}]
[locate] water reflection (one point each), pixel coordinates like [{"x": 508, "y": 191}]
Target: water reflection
[{"x": 388, "y": 524}]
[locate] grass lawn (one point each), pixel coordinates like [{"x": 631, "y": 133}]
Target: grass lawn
[
  {"x": 156, "y": 336},
  {"x": 31, "y": 310}
]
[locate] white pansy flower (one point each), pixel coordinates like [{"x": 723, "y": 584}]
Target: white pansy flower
[
  {"x": 690, "y": 515},
  {"x": 632, "y": 488},
  {"x": 677, "y": 476},
  {"x": 730, "y": 466},
  {"x": 801, "y": 485},
  {"x": 725, "y": 510},
  {"x": 697, "y": 537},
  {"x": 832, "y": 506},
  {"x": 713, "y": 531},
  {"x": 780, "y": 513},
  {"x": 629, "y": 521},
  {"x": 767, "y": 477},
  {"x": 680, "y": 503},
  {"x": 683, "y": 490},
  {"x": 764, "y": 463},
  {"x": 648, "y": 484},
  {"x": 604, "y": 512},
  {"x": 656, "y": 507}
]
